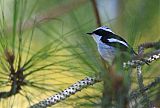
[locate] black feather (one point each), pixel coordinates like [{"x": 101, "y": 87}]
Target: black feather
[{"x": 105, "y": 35}]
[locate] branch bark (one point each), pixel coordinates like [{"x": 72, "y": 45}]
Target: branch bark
[{"x": 78, "y": 86}]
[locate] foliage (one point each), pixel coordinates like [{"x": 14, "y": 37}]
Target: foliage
[{"x": 44, "y": 48}]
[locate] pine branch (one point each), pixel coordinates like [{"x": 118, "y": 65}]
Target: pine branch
[
  {"x": 137, "y": 93},
  {"x": 97, "y": 16},
  {"x": 155, "y": 45},
  {"x": 141, "y": 86},
  {"x": 84, "y": 83},
  {"x": 150, "y": 57},
  {"x": 139, "y": 69},
  {"x": 78, "y": 86}
]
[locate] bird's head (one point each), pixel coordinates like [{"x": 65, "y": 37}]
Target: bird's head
[{"x": 100, "y": 32}]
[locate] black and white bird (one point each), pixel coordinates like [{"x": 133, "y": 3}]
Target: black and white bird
[{"x": 109, "y": 44}]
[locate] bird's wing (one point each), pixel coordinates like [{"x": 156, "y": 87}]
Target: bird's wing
[{"x": 117, "y": 42}]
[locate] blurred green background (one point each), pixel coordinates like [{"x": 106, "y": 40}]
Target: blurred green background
[{"x": 51, "y": 35}]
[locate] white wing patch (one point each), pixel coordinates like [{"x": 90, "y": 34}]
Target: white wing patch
[{"x": 116, "y": 40}]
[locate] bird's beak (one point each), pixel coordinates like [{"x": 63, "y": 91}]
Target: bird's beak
[{"x": 89, "y": 33}]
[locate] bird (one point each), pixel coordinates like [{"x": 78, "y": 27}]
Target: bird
[{"x": 109, "y": 44}]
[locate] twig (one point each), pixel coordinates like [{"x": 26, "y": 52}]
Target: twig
[
  {"x": 141, "y": 86},
  {"x": 90, "y": 81},
  {"x": 150, "y": 57},
  {"x": 138, "y": 63},
  {"x": 137, "y": 93},
  {"x": 148, "y": 45},
  {"x": 97, "y": 16},
  {"x": 139, "y": 72},
  {"x": 78, "y": 86}
]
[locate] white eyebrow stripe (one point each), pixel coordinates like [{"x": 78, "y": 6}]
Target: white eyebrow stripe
[
  {"x": 105, "y": 29},
  {"x": 116, "y": 40}
]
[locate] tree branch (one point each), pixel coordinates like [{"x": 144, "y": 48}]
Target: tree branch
[
  {"x": 150, "y": 57},
  {"x": 78, "y": 86},
  {"x": 141, "y": 86},
  {"x": 139, "y": 70},
  {"x": 137, "y": 93},
  {"x": 84, "y": 83},
  {"x": 97, "y": 16}
]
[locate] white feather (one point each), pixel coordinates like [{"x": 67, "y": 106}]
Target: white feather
[
  {"x": 96, "y": 38},
  {"x": 116, "y": 40},
  {"x": 107, "y": 52},
  {"x": 105, "y": 28}
]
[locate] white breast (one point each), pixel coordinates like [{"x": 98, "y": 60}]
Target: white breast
[{"x": 107, "y": 52}]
